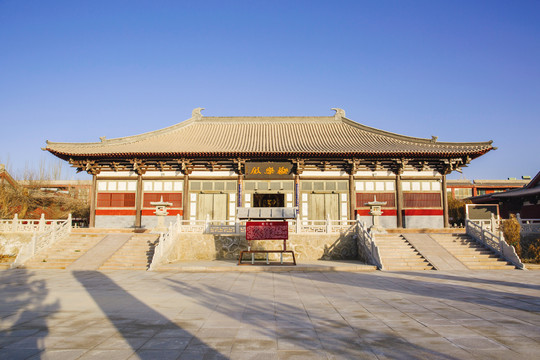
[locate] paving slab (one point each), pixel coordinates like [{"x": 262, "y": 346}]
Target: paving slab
[{"x": 59, "y": 314}]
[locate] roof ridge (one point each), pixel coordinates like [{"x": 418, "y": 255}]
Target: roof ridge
[
  {"x": 136, "y": 137},
  {"x": 432, "y": 141}
]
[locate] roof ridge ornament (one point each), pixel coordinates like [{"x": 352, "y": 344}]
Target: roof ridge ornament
[
  {"x": 196, "y": 113},
  {"x": 340, "y": 113}
]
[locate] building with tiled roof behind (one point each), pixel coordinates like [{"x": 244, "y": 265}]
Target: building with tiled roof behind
[{"x": 326, "y": 166}]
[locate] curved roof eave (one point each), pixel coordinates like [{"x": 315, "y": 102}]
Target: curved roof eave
[
  {"x": 124, "y": 146},
  {"x": 272, "y": 154}
]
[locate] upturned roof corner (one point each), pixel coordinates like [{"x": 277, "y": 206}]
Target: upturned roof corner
[{"x": 196, "y": 113}]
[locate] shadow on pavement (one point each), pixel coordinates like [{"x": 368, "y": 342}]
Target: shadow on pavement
[
  {"x": 294, "y": 325},
  {"x": 135, "y": 320},
  {"x": 473, "y": 278},
  {"x": 405, "y": 283},
  {"x": 23, "y": 314}
]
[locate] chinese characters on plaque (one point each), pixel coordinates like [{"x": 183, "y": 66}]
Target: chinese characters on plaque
[{"x": 268, "y": 170}]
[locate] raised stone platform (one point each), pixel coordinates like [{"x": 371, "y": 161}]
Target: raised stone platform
[{"x": 232, "y": 266}]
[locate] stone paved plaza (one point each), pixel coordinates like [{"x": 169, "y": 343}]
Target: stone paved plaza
[{"x": 56, "y": 314}]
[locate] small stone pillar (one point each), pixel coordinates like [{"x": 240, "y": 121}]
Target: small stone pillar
[
  {"x": 161, "y": 212},
  {"x": 375, "y": 210}
]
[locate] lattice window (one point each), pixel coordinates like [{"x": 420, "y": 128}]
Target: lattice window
[
  {"x": 116, "y": 200},
  {"x": 174, "y": 198},
  {"x": 362, "y": 198},
  {"x": 421, "y": 200}
]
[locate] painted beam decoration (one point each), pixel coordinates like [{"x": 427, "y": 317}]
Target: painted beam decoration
[
  {"x": 268, "y": 170},
  {"x": 267, "y": 230}
]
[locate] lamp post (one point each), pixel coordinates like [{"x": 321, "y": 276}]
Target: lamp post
[
  {"x": 161, "y": 212},
  {"x": 375, "y": 210}
]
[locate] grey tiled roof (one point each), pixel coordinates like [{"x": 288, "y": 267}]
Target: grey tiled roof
[{"x": 268, "y": 136}]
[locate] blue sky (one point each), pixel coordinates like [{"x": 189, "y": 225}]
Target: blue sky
[{"x": 73, "y": 71}]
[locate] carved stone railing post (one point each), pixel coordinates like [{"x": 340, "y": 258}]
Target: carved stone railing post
[
  {"x": 236, "y": 225},
  {"x": 15, "y": 222},
  {"x": 482, "y": 232},
  {"x": 207, "y": 223},
  {"x": 34, "y": 244},
  {"x": 42, "y": 223},
  {"x": 493, "y": 223},
  {"x": 328, "y": 224},
  {"x": 53, "y": 236}
]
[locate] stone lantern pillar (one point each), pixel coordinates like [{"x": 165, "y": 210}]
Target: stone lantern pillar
[
  {"x": 375, "y": 210},
  {"x": 161, "y": 212}
]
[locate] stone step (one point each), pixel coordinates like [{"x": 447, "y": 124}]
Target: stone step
[
  {"x": 118, "y": 266},
  {"x": 477, "y": 255},
  {"x": 407, "y": 268},
  {"x": 398, "y": 255},
  {"x": 137, "y": 253},
  {"x": 472, "y": 254},
  {"x": 503, "y": 266},
  {"x": 395, "y": 246},
  {"x": 64, "y": 252},
  {"x": 402, "y": 256},
  {"x": 484, "y": 260},
  {"x": 420, "y": 265},
  {"x": 464, "y": 246}
]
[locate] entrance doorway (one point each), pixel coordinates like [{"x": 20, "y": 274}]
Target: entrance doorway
[
  {"x": 214, "y": 205},
  {"x": 321, "y": 205}
]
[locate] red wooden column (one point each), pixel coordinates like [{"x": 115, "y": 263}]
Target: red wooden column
[
  {"x": 138, "y": 202},
  {"x": 399, "y": 201},
  {"x": 444, "y": 202},
  {"x": 297, "y": 193},
  {"x": 352, "y": 197},
  {"x": 93, "y": 196},
  {"x": 185, "y": 199},
  {"x": 240, "y": 190}
]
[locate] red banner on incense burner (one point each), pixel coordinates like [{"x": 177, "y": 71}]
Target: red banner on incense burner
[{"x": 267, "y": 230}]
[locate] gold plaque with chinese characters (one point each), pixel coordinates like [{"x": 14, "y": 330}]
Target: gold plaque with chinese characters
[{"x": 268, "y": 170}]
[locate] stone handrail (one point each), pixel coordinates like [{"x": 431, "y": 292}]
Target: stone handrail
[
  {"x": 493, "y": 223},
  {"x": 165, "y": 243},
  {"x": 495, "y": 242},
  {"x": 238, "y": 227},
  {"x": 57, "y": 230},
  {"x": 28, "y": 225},
  {"x": 528, "y": 226},
  {"x": 365, "y": 241}
]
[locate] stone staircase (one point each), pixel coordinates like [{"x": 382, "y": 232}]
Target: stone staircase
[
  {"x": 473, "y": 255},
  {"x": 397, "y": 254},
  {"x": 136, "y": 254},
  {"x": 64, "y": 252}
]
